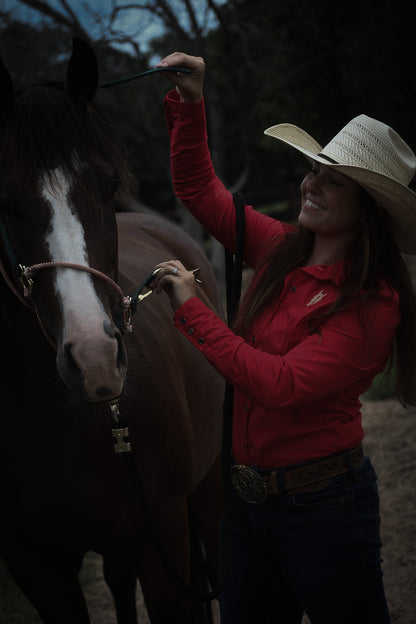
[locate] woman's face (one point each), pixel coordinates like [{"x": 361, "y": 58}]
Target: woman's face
[{"x": 330, "y": 203}]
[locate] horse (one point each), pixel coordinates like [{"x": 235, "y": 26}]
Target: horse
[{"x": 72, "y": 367}]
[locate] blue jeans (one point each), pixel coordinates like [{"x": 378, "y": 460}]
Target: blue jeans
[{"x": 317, "y": 552}]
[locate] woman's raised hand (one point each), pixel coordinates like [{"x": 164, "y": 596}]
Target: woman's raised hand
[{"x": 189, "y": 86}]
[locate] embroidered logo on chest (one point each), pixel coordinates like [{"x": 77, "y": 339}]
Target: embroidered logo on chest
[{"x": 317, "y": 298}]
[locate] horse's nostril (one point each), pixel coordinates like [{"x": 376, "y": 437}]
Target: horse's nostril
[
  {"x": 103, "y": 392},
  {"x": 95, "y": 369},
  {"x": 70, "y": 361}
]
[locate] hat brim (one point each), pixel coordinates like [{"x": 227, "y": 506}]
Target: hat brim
[{"x": 396, "y": 198}]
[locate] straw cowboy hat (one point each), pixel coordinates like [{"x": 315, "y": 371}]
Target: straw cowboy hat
[{"x": 373, "y": 155}]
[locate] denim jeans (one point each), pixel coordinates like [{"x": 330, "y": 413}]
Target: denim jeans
[{"x": 317, "y": 552}]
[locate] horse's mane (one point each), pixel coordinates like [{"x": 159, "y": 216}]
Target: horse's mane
[{"x": 47, "y": 129}]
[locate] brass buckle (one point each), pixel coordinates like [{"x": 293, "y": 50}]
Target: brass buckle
[{"x": 248, "y": 484}]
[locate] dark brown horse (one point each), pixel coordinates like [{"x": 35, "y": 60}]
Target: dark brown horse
[{"x": 64, "y": 490}]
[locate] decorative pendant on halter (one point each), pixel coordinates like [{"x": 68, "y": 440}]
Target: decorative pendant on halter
[{"x": 121, "y": 434}]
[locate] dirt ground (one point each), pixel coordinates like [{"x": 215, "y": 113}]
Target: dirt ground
[{"x": 391, "y": 443}]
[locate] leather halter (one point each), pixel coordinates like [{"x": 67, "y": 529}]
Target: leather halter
[{"x": 127, "y": 304}]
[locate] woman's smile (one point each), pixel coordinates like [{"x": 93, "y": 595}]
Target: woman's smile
[
  {"x": 330, "y": 203},
  {"x": 311, "y": 205}
]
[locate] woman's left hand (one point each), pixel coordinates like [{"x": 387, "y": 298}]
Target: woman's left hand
[{"x": 178, "y": 283}]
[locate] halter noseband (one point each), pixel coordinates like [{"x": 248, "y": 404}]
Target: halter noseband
[{"x": 128, "y": 305}]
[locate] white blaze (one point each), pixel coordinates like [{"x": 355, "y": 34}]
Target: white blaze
[
  {"x": 66, "y": 243},
  {"x": 87, "y": 328}
]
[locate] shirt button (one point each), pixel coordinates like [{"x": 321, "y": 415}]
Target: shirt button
[
  {"x": 293, "y": 289},
  {"x": 183, "y": 321},
  {"x": 190, "y": 331},
  {"x": 201, "y": 341}
]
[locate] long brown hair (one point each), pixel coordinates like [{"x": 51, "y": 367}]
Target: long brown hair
[{"x": 371, "y": 256}]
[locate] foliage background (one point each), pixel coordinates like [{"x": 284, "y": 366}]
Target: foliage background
[{"x": 314, "y": 64}]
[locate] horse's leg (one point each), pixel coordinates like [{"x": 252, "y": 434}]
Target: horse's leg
[
  {"x": 122, "y": 583},
  {"x": 165, "y": 601},
  {"x": 48, "y": 580}
]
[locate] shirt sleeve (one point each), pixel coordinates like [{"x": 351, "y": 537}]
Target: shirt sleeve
[
  {"x": 348, "y": 349},
  {"x": 202, "y": 192}
]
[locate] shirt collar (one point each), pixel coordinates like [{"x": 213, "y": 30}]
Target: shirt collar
[{"x": 333, "y": 272}]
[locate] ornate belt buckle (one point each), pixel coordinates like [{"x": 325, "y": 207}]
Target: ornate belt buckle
[{"x": 248, "y": 484}]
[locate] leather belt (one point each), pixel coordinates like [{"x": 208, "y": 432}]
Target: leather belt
[{"x": 254, "y": 486}]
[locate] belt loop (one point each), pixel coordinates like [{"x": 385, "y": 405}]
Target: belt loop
[
  {"x": 350, "y": 464},
  {"x": 274, "y": 486},
  {"x": 281, "y": 481}
]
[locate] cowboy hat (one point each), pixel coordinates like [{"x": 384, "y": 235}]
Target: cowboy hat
[{"x": 374, "y": 155}]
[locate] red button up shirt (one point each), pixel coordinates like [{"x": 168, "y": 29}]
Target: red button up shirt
[{"x": 297, "y": 394}]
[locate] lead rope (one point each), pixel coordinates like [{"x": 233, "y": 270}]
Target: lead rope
[
  {"x": 114, "y": 83},
  {"x": 233, "y": 279}
]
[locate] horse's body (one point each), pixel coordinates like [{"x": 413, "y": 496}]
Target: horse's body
[{"x": 63, "y": 489}]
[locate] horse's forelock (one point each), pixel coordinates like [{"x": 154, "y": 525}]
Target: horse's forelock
[{"x": 48, "y": 131}]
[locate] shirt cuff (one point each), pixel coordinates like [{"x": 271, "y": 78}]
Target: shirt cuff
[
  {"x": 189, "y": 117},
  {"x": 189, "y": 319}
]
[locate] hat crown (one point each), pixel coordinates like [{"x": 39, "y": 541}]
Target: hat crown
[{"x": 370, "y": 144}]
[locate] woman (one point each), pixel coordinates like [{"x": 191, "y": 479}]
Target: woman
[{"x": 330, "y": 302}]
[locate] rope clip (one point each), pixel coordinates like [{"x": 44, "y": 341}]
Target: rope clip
[
  {"x": 126, "y": 314},
  {"x": 25, "y": 280}
]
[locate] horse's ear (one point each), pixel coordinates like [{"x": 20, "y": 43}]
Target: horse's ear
[
  {"x": 6, "y": 92},
  {"x": 82, "y": 72}
]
